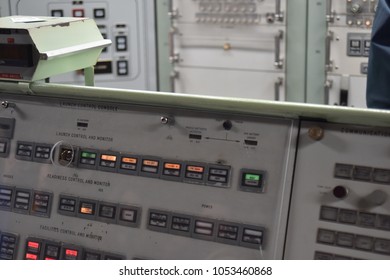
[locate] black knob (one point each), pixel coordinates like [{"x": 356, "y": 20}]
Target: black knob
[
  {"x": 340, "y": 192},
  {"x": 227, "y": 125}
]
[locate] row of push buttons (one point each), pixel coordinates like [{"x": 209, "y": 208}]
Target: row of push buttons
[
  {"x": 99, "y": 210},
  {"x": 353, "y": 217},
  {"x": 206, "y": 229},
  {"x": 149, "y": 166},
  {"x": 25, "y": 201},
  {"x": 41, "y": 249},
  {"x": 8, "y": 246},
  {"x": 352, "y": 241},
  {"x": 98, "y": 13},
  {"x": 362, "y": 173}
]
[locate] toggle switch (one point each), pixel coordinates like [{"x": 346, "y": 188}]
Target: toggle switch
[{"x": 375, "y": 198}]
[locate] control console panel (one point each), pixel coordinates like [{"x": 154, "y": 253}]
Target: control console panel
[{"x": 114, "y": 181}]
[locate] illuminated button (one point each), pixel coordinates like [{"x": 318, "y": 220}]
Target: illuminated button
[
  {"x": 194, "y": 172},
  {"x": 252, "y": 180},
  {"x": 30, "y": 256},
  {"x": 172, "y": 169},
  {"x": 150, "y": 166},
  {"x": 33, "y": 246},
  {"x": 88, "y": 158},
  {"x": 108, "y": 160},
  {"x": 128, "y": 165},
  {"x": 70, "y": 253},
  {"x": 87, "y": 208}
]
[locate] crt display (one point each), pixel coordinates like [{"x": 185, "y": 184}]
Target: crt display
[{"x": 16, "y": 55}]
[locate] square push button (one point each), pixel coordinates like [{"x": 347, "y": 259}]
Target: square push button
[
  {"x": 194, "y": 173},
  {"x": 99, "y": 13},
  {"x": 78, "y": 12},
  {"x": 107, "y": 212},
  {"x": 172, "y": 170},
  {"x": 128, "y": 164},
  {"x": 87, "y": 209},
  {"x": 158, "y": 220},
  {"x": 252, "y": 180},
  {"x": 67, "y": 205},
  {"x": 129, "y": 215}
]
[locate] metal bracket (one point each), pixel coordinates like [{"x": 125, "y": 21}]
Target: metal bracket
[
  {"x": 278, "y": 60},
  {"x": 328, "y": 61}
]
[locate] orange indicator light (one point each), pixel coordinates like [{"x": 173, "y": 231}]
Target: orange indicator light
[
  {"x": 108, "y": 157},
  {"x": 129, "y": 160},
  {"x": 198, "y": 169},
  {"x": 172, "y": 166},
  {"x": 150, "y": 162},
  {"x": 86, "y": 210}
]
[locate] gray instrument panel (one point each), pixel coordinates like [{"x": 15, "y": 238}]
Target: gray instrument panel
[{"x": 84, "y": 180}]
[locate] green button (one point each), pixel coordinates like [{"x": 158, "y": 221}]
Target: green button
[
  {"x": 88, "y": 155},
  {"x": 252, "y": 177}
]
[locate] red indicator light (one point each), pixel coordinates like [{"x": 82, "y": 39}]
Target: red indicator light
[
  {"x": 49, "y": 259},
  {"x": 10, "y": 76},
  {"x": 10, "y": 40},
  {"x": 72, "y": 253},
  {"x": 31, "y": 257},
  {"x": 34, "y": 245}
]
